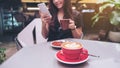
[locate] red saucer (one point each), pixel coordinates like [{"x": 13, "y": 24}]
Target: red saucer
[{"x": 83, "y": 57}]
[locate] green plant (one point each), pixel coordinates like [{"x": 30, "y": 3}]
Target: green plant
[
  {"x": 2, "y": 55},
  {"x": 114, "y": 16}
]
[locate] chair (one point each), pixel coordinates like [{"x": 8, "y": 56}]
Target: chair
[
  {"x": 82, "y": 36},
  {"x": 30, "y": 35}
]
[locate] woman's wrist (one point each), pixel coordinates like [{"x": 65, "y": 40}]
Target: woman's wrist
[
  {"x": 73, "y": 28},
  {"x": 43, "y": 24}
]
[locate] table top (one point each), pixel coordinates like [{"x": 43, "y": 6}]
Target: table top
[{"x": 43, "y": 56}]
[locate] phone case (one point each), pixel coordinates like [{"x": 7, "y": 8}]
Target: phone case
[{"x": 43, "y": 8}]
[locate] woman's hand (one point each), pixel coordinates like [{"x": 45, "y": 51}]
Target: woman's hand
[
  {"x": 76, "y": 32},
  {"x": 45, "y": 18},
  {"x": 72, "y": 24}
]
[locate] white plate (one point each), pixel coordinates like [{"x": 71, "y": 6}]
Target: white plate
[
  {"x": 69, "y": 62},
  {"x": 57, "y": 41}
]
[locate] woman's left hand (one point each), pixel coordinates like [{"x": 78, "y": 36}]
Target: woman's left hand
[
  {"x": 76, "y": 32},
  {"x": 72, "y": 24}
]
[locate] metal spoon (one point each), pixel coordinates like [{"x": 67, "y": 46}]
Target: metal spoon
[{"x": 91, "y": 55}]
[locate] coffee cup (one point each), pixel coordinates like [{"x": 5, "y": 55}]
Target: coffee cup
[
  {"x": 71, "y": 50},
  {"x": 64, "y": 24}
]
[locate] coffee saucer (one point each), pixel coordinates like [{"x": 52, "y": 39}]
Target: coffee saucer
[{"x": 61, "y": 58}]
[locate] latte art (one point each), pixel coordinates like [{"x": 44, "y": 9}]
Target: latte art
[{"x": 72, "y": 45}]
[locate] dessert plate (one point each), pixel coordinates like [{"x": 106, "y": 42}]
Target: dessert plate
[
  {"x": 61, "y": 58},
  {"x": 57, "y": 43}
]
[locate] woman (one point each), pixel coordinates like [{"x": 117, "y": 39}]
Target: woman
[{"x": 61, "y": 9}]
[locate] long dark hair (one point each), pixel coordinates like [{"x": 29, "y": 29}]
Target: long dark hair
[{"x": 67, "y": 8}]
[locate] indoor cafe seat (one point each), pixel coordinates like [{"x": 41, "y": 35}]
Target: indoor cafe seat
[{"x": 30, "y": 35}]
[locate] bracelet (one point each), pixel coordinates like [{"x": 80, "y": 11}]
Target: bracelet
[{"x": 74, "y": 28}]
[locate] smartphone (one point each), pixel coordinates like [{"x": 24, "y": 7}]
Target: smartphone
[{"x": 43, "y": 8}]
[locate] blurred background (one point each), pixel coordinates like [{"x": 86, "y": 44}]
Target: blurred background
[{"x": 16, "y": 14}]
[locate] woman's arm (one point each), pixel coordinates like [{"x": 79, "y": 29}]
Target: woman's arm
[
  {"x": 77, "y": 22},
  {"x": 45, "y": 30},
  {"x": 45, "y": 24},
  {"x": 76, "y": 32}
]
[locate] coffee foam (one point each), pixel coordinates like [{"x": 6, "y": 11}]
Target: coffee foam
[{"x": 72, "y": 45}]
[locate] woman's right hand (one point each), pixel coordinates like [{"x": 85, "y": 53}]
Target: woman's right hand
[{"x": 45, "y": 18}]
